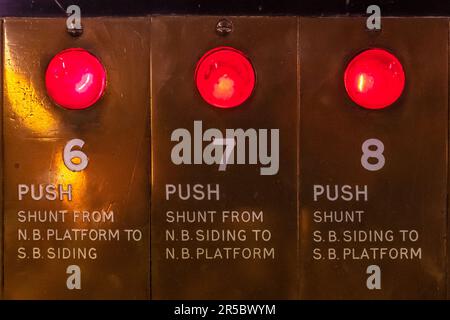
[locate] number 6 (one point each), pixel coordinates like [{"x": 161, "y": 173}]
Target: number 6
[{"x": 70, "y": 154}]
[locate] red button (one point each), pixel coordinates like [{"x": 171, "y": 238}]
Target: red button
[
  {"x": 374, "y": 79},
  {"x": 225, "y": 77},
  {"x": 75, "y": 79}
]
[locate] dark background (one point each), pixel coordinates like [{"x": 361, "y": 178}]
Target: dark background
[{"x": 253, "y": 7}]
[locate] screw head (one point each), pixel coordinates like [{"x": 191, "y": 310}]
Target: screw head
[
  {"x": 224, "y": 27},
  {"x": 75, "y": 32}
]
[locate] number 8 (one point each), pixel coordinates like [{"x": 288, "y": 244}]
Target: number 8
[{"x": 374, "y": 154}]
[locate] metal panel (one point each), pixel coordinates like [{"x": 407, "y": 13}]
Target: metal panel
[
  {"x": 205, "y": 272},
  {"x": 408, "y": 193},
  {"x": 117, "y": 142}
]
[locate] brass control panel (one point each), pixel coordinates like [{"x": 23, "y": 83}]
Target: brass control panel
[{"x": 224, "y": 157}]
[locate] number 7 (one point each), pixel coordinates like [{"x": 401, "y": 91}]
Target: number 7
[{"x": 229, "y": 144}]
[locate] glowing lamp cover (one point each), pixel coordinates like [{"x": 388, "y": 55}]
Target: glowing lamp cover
[
  {"x": 75, "y": 79},
  {"x": 225, "y": 78},
  {"x": 374, "y": 79}
]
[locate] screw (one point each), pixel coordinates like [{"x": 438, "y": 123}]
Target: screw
[
  {"x": 75, "y": 32},
  {"x": 224, "y": 27}
]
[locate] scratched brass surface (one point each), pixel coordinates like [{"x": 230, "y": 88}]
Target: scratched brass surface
[
  {"x": 116, "y": 134},
  {"x": 409, "y": 192},
  {"x": 177, "y": 44}
]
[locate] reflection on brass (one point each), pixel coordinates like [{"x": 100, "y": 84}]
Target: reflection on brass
[
  {"x": 187, "y": 263},
  {"x": 31, "y": 112},
  {"x": 60, "y": 223},
  {"x": 1, "y": 174},
  {"x": 407, "y": 193}
]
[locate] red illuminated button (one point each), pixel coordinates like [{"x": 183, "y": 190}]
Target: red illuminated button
[
  {"x": 75, "y": 79},
  {"x": 225, "y": 77},
  {"x": 374, "y": 79}
]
